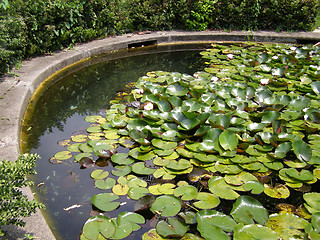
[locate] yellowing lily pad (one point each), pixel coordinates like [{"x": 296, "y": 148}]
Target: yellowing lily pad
[
  {"x": 278, "y": 191},
  {"x": 288, "y": 226},
  {"x": 79, "y": 138},
  {"x": 63, "y": 155}
]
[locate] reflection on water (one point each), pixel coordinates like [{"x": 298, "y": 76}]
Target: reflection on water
[{"x": 60, "y": 111}]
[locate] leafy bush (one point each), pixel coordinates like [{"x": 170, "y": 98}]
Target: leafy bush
[
  {"x": 13, "y": 204},
  {"x": 44, "y": 26}
]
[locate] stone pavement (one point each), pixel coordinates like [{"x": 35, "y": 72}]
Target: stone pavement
[{"x": 16, "y": 90}]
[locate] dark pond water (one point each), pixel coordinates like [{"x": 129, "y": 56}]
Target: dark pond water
[{"x": 59, "y": 111}]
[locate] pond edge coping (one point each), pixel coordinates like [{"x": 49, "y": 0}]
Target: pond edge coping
[{"x": 16, "y": 89}]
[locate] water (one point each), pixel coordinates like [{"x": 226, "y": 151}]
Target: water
[{"x": 59, "y": 111}]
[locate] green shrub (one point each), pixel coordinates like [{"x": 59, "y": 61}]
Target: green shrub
[
  {"x": 34, "y": 27},
  {"x": 12, "y": 42},
  {"x": 13, "y": 204}
]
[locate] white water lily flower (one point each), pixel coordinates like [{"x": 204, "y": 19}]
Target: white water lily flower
[
  {"x": 148, "y": 106},
  {"x": 230, "y": 56},
  {"x": 139, "y": 91},
  {"x": 293, "y": 48},
  {"x": 214, "y": 79},
  {"x": 264, "y": 81},
  {"x": 275, "y": 57}
]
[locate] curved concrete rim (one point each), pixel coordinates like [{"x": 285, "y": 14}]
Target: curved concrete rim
[{"x": 16, "y": 91}]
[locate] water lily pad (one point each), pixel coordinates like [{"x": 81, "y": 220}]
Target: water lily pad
[
  {"x": 140, "y": 168},
  {"x": 165, "y": 145},
  {"x": 98, "y": 225},
  {"x": 99, "y": 174},
  {"x": 121, "y": 170},
  {"x": 105, "y": 201},
  {"x": 94, "y": 129},
  {"x": 302, "y": 150},
  {"x": 206, "y": 201},
  {"x": 287, "y": 225},
  {"x": 166, "y": 206},
  {"x": 187, "y": 192},
  {"x": 228, "y": 140},
  {"x": 254, "y": 232},
  {"x": 137, "y": 192},
  {"x": 79, "y": 138},
  {"x": 174, "y": 228},
  {"x": 105, "y": 184},
  {"x": 74, "y": 147},
  {"x": 137, "y": 154},
  {"x": 180, "y": 165},
  {"x": 85, "y": 148},
  {"x": 220, "y": 188},
  {"x": 63, "y": 155},
  {"x": 278, "y": 191},
  {"x": 189, "y": 217},
  {"x": 249, "y": 210},
  {"x": 312, "y": 202},
  {"x": 78, "y": 157},
  {"x": 213, "y": 225},
  {"x": 177, "y": 90},
  {"x": 122, "y": 159},
  {"x": 120, "y": 189},
  {"x": 152, "y": 235},
  {"x": 254, "y": 186}
]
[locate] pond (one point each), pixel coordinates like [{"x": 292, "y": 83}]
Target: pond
[
  {"x": 60, "y": 108},
  {"x": 226, "y": 149}
]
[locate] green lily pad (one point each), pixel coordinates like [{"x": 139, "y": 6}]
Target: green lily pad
[
  {"x": 302, "y": 150},
  {"x": 177, "y": 90},
  {"x": 122, "y": 159},
  {"x": 249, "y": 210},
  {"x": 220, "y": 188},
  {"x": 104, "y": 201},
  {"x": 254, "y": 232},
  {"x": 240, "y": 178},
  {"x": 137, "y": 154},
  {"x": 206, "y": 201},
  {"x": 74, "y": 147},
  {"x": 187, "y": 192},
  {"x": 174, "y": 228},
  {"x": 98, "y": 225},
  {"x": 213, "y": 225},
  {"x": 121, "y": 170},
  {"x": 228, "y": 140},
  {"x": 140, "y": 168},
  {"x": 78, "y": 157},
  {"x": 182, "y": 164},
  {"x": 312, "y": 202},
  {"x": 165, "y": 145},
  {"x": 137, "y": 192},
  {"x": 99, "y": 174},
  {"x": 189, "y": 217},
  {"x": 254, "y": 186},
  {"x": 105, "y": 184},
  {"x": 166, "y": 206}
]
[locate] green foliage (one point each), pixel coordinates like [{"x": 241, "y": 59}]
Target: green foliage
[
  {"x": 14, "y": 204},
  {"x": 43, "y": 26}
]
